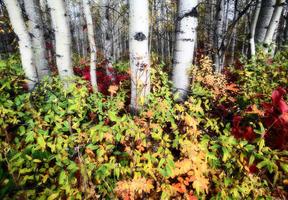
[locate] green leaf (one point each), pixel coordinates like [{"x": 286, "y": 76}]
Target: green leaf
[
  {"x": 284, "y": 166},
  {"x": 161, "y": 162},
  {"x": 262, "y": 164},
  {"x": 226, "y": 154},
  {"x": 62, "y": 178},
  {"x": 41, "y": 142},
  {"x": 53, "y": 196}
]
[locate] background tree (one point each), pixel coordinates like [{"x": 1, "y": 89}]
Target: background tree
[
  {"x": 92, "y": 44},
  {"x": 24, "y": 41}
]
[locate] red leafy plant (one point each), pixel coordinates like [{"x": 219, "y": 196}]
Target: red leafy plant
[
  {"x": 275, "y": 120},
  {"x": 274, "y": 117},
  {"x": 104, "y": 79}
]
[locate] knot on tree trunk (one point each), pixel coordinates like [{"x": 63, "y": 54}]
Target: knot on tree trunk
[{"x": 140, "y": 36}]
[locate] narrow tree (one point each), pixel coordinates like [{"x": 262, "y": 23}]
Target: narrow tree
[
  {"x": 266, "y": 12},
  {"x": 274, "y": 22},
  {"x": 24, "y": 41},
  {"x": 92, "y": 44},
  {"x": 32, "y": 8},
  {"x": 218, "y": 36},
  {"x": 185, "y": 43},
  {"x": 61, "y": 26},
  {"x": 139, "y": 54},
  {"x": 253, "y": 27}
]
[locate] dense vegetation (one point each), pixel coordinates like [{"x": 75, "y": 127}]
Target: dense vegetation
[{"x": 227, "y": 141}]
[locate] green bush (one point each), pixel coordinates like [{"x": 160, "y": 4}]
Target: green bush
[{"x": 72, "y": 144}]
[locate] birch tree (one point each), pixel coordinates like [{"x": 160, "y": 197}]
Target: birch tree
[
  {"x": 139, "y": 53},
  {"x": 24, "y": 41},
  {"x": 274, "y": 22},
  {"x": 32, "y": 8},
  {"x": 218, "y": 37},
  {"x": 184, "y": 47},
  {"x": 265, "y": 15},
  {"x": 107, "y": 34},
  {"x": 92, "y": 44},
  {"x": 62, "y": 32},
  {"x": 253, "y": 27}
]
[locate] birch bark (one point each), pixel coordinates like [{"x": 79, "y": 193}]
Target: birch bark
[
  {"x": 32, "y": 9},
  {"x": 264, "y": 18},
  {"x": 24, "y": 41},
  {"x": 92, "y": 44},
  {"x": 62, "y": 31},
  {"x": 139, "y": 53},
  {"x": 184, "y": 48}
]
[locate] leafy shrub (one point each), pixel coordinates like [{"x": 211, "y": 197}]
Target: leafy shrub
[{"x": 74, "y": 144}]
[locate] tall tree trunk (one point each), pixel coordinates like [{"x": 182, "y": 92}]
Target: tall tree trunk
[
  {"x": 107, "y": 36},
  {"x": 218, "y": 37},
  {"x": 253, "y": 28},
  {"x": 185, "y": 43},
  {"x": 274, "y": 22},
  {"x": 24, "y": 41},
  {"x": 32, "y": 8},
  {"x": 83, "y": 32},
  {"x": 139, "y": 53},
  {"x": 266, "y": 12},
  {"x": 92, "y": 44},
  {"x": 62, "y": 31}
]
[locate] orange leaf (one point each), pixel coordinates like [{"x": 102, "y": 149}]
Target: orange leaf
[
  {"x": 232, "y": 87},
  {"x": 90, "y": 153},
  {"x": 254, "y": 110},
  {"x": 113, "y": 89},
  {"x": 149, "y": 114},
  {"x": 181, "y": 188}
]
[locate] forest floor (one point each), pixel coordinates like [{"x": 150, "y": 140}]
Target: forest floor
[{"x": 228, "y": 140}]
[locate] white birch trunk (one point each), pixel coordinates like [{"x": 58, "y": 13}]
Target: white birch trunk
[
  {"x": 107, "y": 36},
  {"x": 219, "y": 37},
  {"x": 25, "y": 44},
  {"x": 185, "y": 43},
  {"x": 61, "y": 26},
  {"x": 253, "y": 28},
  {"x": 92, "y": 44},
  {"x": 273, "y": 25},
  {"x": 32, "y": 8},
  {"x": 266, "y": 12},
  {"x": 139, "y": 53}
]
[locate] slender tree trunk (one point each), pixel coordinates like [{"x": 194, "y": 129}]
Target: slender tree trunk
[
  {"x": 32, "y": 8},
  {"x": 24, "y": 41},
  {"x": 219, "y": 36},
  {"x": 139, "y": 54},
  {"x": 62, "y": 31},
  {"x": 253, "y": 28},
  {"x": 185, "y": 43},
  {"x": 266, "y": 12},
  {"x": 48, "y": 36},
  {"x": 107, "y": 36},
  {"x": 285, "y": 35},
  {"x": 92, "y": 44},
  {"x": 274, "y": 22}
]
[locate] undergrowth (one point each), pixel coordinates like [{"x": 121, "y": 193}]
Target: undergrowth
[{"x": 219, "y": 144}]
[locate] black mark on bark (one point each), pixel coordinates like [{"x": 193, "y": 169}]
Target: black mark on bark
[
  {"x": 192, "y": 13},
  {"x": 140, "y": 36}
]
